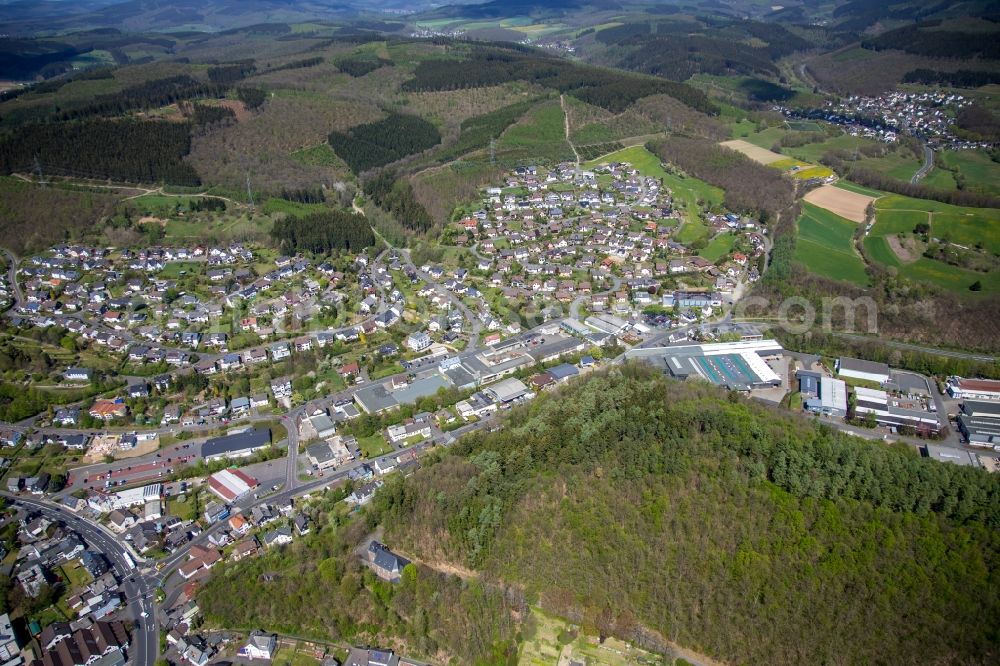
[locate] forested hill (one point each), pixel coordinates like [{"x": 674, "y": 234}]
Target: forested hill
[
  {"x": 727, "y": 527},
  {"x": 660, "y": 512}
]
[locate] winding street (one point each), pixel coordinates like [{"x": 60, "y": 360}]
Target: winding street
[
  {"x": 927, "y": 166},
  {"x": 138, "y": 587}
]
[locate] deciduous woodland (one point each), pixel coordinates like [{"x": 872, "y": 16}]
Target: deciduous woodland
[{"x": 693, "y": 515}]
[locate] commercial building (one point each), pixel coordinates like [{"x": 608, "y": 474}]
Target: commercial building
[
  {"x": 239, "y": 445},
  {"x": 808, "y": 383},
  {"x": 507, "y": 390},
  {"x": 857, "y": 368},
  {"x": 831, "y": 400},
  {"x": 896, "y": 412},
  {"x": 949, "y": 455},
  {"x": 378, "y": 398},
  {"x": 107, "y": 502},
  {"x": 973, "y": 389},
  {"x": 979, "y": 422},
  {"x": 330, "y": 453},
  {"x": 738, "y": 366},
  {"x": 231, "y": 484}
]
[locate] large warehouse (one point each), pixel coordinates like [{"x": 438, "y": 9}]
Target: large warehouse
[
  {"x": 239, "y": 445},
  {"x": 857, "y": 368},
  {"x": 831, "y": 399},
  {"x": 979, "y": 422},
  {"x": 974, "y": 389},
  {"x": 739, "y": 366},
  {"x": 895, "y": 412},
  {"x": 231, "y": 484}
]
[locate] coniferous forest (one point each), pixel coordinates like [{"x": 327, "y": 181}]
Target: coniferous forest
[
  {"x": 146, "y": 151},
  {"x": 323, "y": 232},
  {"x": 384, "y": 141}
]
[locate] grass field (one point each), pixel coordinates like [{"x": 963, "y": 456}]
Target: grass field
[
  {"x": 274, "y": 205},
  {"x": 949, "y": 277},
  {"x": 321, "y": 155},
  {"x": 860, "y": 189},
  {"x": 718, "y": 247},
  {"x": 879, "y": 251},
  {"x": 980, "y": 172},
  {"x": 889, "y": 222},
  {"x": 541, "y": 135},
  {"x": 825, "y": 246},
  {"x": 175, "y": 269},
  {"x": 286, "y": 656},
  {"x": 374, "y": 445},
  {"x": 971, "y": 227}
]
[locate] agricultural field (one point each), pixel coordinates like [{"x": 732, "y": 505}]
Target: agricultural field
[
  {"x": 825, "y": 246},
  {"x": 892, "y": 242},
  {"x": 755, "y": 152},
  {"x": 970, "y": 227},
  {"x": 842, "y": 202},
  {"x": 790, "y": 165}
]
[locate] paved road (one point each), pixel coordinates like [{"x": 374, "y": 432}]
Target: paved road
[
  {"x": 927, "y": 166},
  {"x": 12, "y": 262},
  {"x": 139, "y": 591}
]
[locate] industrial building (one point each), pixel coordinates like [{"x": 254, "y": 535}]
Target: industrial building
[
  {"x": 979, "y": 422},
  {"x": 239, "y": 445},
  {"x": 377, "y": 398},
  {"x": 973, "y": 389},
  {"x": 857, "y": 368},
  {"x": 948, "y": 454},
  {"x": 831, "y": 399},
  {"x": 231, "y": 484},
  {"x": 739, "y": 366},
  {"x": 507, "y": 390},
  {"x": 895, "y": 412},
  {"x": 808, "y": 383}
]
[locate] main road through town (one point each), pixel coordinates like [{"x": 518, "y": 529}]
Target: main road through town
[{"x": 139, "y": 589}]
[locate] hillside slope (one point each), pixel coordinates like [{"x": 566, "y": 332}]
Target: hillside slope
[{"x": 664, "y": 512}]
